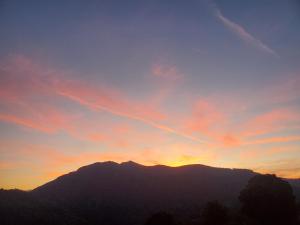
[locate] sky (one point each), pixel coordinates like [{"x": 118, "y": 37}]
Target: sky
[{"x": 171, "y": 82}]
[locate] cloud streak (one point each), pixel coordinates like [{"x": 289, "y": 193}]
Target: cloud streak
[
  {"x": 275, "y": 140},
  {"x": 151, "y": 123},
  {"x": 42, "y": 81},
  {"x": 243, "y": 34},
  {"x": 211, "y": 118}
]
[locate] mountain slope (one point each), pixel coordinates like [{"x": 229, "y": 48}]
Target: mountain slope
[
  {"x": 132, "y": 182},
  {"x": 125, "y": 194},
  {"x": 135, "y": 191}
]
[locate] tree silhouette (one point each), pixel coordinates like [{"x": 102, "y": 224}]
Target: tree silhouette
[
  {"x": 161, "y": 218},
  {"x": 269, "y": 200},
  {"x": 214, "y": 214}
]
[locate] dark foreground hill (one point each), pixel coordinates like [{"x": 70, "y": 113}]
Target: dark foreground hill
[{"x": 119, "y": 194}]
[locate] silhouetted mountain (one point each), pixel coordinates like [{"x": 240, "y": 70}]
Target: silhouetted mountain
[
  {"x": 110, "y": 193},
  {"x": 134, "y": 190},
  {"x": 133, "y": 183}
]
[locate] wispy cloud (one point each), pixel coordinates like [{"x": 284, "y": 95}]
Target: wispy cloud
[
  {"x": 272, "y": 121},
  {"x": 166, "y": 72},
  {"x": 275, "y": 140},
  {"x": 242, "y": 33},
  {"x": 38, "y": 80},
  {"x": 96, "y": 106},
  {"x": 210, "y": 118}
]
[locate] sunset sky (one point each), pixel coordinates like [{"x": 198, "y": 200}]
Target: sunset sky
[{"x": 157, "y": 82}]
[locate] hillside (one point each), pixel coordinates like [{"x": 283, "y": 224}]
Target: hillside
[{"x": 96, "y": 193}]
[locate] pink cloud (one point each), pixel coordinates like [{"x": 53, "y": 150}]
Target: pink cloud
[
  {"x": 208, "y": 119},
  {"x": 40, "y": 82},
  {"x": 25, "y": 122},
  {"x": 166, "y": 72},
  {"x": 272, "y": 121},
  {"x": 22, "y": 78},
  {"x": 230, "y": 140},
  {"x": 39, "y": 116},
  {"x": 262, "y": 152},
  {"x": 213, "y": 120}
]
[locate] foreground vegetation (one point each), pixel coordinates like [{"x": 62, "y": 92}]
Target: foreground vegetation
[{"x": 266, "y": 200}]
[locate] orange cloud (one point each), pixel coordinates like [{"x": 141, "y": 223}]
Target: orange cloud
[
  {"x": 293, "y": 173},
  {"x": 271, "y": 121},
  {"x": 274, "y": 140},
  {"x": 287, "y": 168}
]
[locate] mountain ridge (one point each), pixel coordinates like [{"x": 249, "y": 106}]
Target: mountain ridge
[
  {"x": 96, "y": 193},
  {"x": 130, "y": 164}
]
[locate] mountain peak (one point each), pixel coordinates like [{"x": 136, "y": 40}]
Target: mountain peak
[
  {"x": 99, "y": 165},
  {"x": 130, "y": 163}
]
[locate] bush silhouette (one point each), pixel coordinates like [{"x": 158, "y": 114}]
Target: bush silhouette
[
  {"x": 214, "y": 214},
  {"x": 161, "y": 218},
  {"x": 268, "y": 200}
]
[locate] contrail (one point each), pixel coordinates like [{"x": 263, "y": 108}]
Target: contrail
[
  {"x": 133, "y": 117},
  {"x": 242, "y": 33}
]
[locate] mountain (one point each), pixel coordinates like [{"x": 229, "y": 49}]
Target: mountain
[
  {"x": 135, "y": 184},
  {"x": 135, "y": 191},
  {"x": 127, "y": 193}
]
